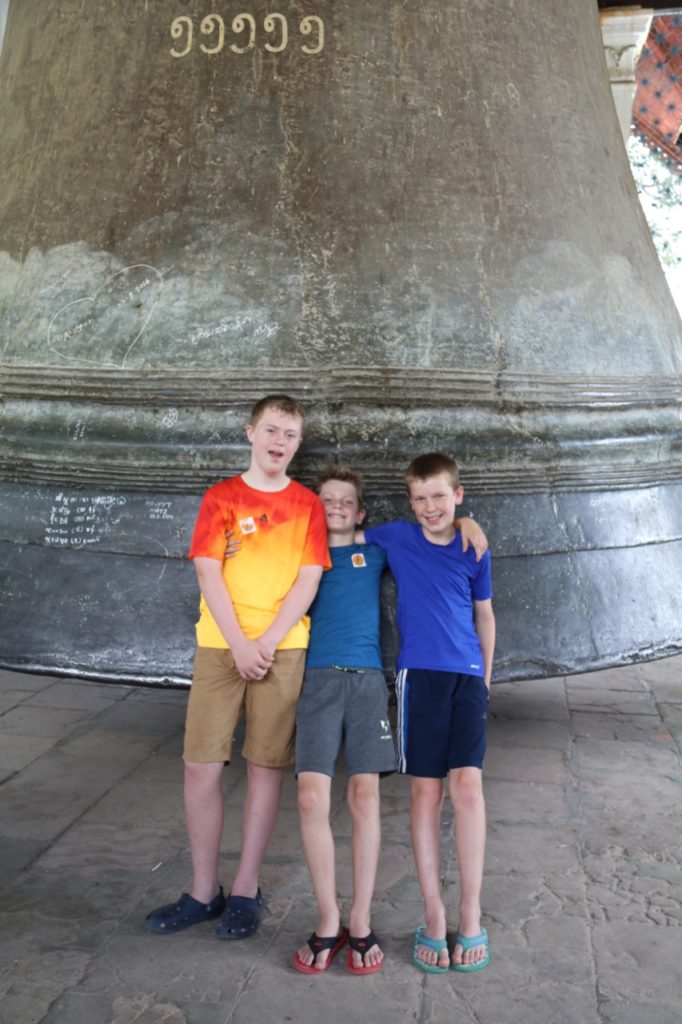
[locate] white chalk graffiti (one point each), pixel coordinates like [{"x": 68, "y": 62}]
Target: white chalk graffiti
[
  {"x": 171, "y": 418},
  {"x": 235, "y": 325},
  {"x": 159, "y": 509},
  {"x": 77, "y": 521},
  {"x": 75, "y": 325}
]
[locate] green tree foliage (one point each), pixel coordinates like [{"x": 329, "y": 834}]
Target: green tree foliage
[{"x": 660, "y": 193}]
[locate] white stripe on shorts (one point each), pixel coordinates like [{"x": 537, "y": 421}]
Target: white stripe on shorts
[{"x": 401, "y": 720}]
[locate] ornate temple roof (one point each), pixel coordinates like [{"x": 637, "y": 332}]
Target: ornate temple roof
[{"x": 657, "y": 107}]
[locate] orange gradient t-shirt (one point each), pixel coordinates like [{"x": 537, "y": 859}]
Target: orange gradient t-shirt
[{"x": 280, "y": 531}]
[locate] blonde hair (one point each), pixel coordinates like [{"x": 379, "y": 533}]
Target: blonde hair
[{"x": 345, "y": 476}]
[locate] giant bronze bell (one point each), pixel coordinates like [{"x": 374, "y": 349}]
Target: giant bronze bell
[{"x": 417, "y": 217}]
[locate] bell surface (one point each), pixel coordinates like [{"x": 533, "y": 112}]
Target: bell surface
[{"x": 418, "y": 218}]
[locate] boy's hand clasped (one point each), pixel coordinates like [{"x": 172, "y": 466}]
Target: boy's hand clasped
[{"x": 252, "y": 659}]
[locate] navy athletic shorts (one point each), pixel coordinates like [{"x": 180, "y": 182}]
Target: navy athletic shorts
[{"x": 442, "y": 719}]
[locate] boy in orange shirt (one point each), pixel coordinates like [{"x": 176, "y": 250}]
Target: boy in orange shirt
[{"x": 251, "y": 639}]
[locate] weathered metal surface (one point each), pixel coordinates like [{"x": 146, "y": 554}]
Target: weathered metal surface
[{"x": 418, "y": 218}]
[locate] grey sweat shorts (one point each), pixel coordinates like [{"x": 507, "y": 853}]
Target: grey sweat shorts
[{"x": 348, "y": 708}]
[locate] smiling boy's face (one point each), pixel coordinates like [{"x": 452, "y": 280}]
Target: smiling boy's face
[
  {"x": 341, "y": 508},
  {"x": 434, "y": 502}
]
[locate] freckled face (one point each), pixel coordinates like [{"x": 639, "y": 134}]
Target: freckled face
[
  {"x": 434, "y": 502},
  {"x": 275, "y": 439}
]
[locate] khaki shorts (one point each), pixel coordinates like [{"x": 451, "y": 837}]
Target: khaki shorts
[{"x": 219, "y": 696}]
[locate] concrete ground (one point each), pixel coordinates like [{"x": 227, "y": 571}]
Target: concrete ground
[{"x": 582, "y": 893}]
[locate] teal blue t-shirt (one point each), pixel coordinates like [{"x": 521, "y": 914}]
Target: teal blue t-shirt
[{"x": 344, "y": 617}]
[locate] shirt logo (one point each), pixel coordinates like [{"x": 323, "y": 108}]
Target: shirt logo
[
  {"x": 358, "y": 560},
  {"x": 247, "y": 525}
]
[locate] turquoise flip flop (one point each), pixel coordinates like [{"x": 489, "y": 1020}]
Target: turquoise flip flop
[
  {"x": 437, "y": 945},
  {"x": 470, "y": 942}
]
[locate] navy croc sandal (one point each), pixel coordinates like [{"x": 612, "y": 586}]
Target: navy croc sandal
[
  {"x": 175, "y": 917},
  {"x": 241, "y": 917}
]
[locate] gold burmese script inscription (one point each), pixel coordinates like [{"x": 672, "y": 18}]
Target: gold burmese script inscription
[{"x": 274, "y": 34}]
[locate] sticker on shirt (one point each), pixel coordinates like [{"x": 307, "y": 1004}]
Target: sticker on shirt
[
  {"x": 358, "y": 560},
  {"x": 247, "y": 525}
]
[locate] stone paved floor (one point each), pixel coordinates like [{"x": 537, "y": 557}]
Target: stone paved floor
[{"x": 582, "y": 891}]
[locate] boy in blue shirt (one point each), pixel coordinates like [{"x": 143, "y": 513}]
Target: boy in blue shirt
[
  {"x": 344, "y": 701},
  {"x": 447, "y": 633}
]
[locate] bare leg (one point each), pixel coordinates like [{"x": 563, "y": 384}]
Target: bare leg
[
  {"x": 363, "y": 802},
  {"x": 263, "y": 794},
  {"x": 426, "y": 801},
  {"x": 314, "y": 802},
  {"x": 204, "y": 810},
  {"x": 466, "y": 793}
]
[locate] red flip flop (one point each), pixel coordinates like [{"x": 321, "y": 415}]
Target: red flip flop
[
  {"x": 361, "y": 946},
  {"x": 317, "y": 943}
]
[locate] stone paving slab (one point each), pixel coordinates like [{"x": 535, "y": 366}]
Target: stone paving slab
[
  {"x": 46, "y": 797},
  {"x": 638, "y": 728},
  {"x": 27, "y": 681},
  {"x": 79, "y": 695},
  {"x": 548, "y": 702},
  {"x": 523, "y": 764},
  {"x": 26, "y": 720},
  {"x": 16, "y": 854},
  {"x": 609, "y": 701},
  {"x": 17, "y": 752},
  {"x": 518, "y": 731},
  {"x": 651, "y": 957},
  {"x": 138, "y": 716},
  {"x": 582, "y": 892},
  {"x": 532, "y": 803},
  {"x": 9, "y": 698},
  {"x": 671, "y": 716},
  {"x": 630, "y": 677},
  {"x": 143, "y": 802}
]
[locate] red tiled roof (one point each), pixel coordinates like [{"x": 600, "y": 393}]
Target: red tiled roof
[{"x": 657, "y": 107}]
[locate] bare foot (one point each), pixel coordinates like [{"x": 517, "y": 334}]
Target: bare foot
[
  {"x": 371, "y": 957},
  {"x": 319, "y": 960},
  {"x": 469, "y": 927},
  {"x": 434, "y": 928},
  {"x": 473, "y": 955}
]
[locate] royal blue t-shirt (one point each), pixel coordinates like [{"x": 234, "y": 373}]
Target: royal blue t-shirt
[
  {"x": 437, "y": 586},
  {"x": 344, "y": 617}
]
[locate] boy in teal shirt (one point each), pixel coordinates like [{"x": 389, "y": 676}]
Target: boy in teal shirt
[{"x": 344, "y": 702}]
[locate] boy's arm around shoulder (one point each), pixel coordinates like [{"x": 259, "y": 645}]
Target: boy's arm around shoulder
[
  {"x": 484, "y": 624},
  {"x": 294, "y": 606},
  {"x": 472, "y": 534},
  {"x": 252, "y": 662}
]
